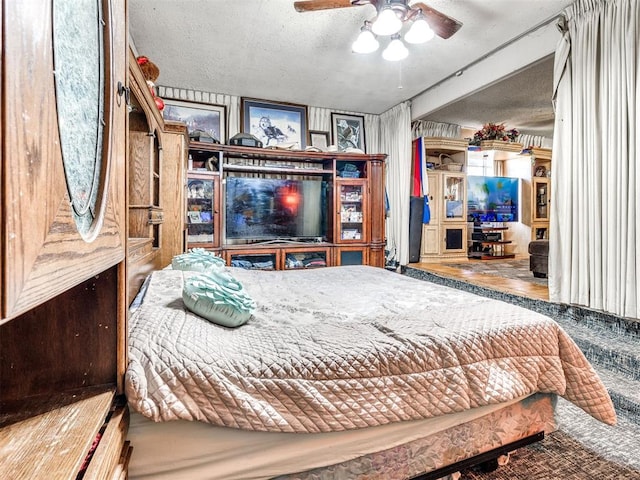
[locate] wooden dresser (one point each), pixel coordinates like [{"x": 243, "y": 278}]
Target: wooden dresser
[{"x": 64, "y": 241}]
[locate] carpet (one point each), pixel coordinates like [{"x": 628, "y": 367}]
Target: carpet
[
  {"x": 558, "y": 456},
  {"x": 514, "y": 269},
  {"x": 582, "y": 448}
]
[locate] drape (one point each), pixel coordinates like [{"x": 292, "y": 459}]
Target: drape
[
  {"x": 395, "y": 141},
  {"x": 428, "y": 128},
  {"x": 531, "y": 140},
  {"x": 594, "y": 246}
]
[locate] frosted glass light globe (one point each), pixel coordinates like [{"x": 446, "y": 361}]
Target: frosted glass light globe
[{"x": 387, "y": 22}]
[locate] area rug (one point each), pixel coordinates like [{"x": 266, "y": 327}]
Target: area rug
[
  {"x": 558, "y": 456},
  {"x": 514, "y": 269}
]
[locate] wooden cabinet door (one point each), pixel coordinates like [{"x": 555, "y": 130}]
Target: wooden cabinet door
[
  {"x": 430, "y": 240},
  {"x": 173, "y": 191},
  {"x": 435, "y": 197},
  {"x": 454, "y": 197},
  {"x": 203, "y": 210},
  {"x": 352, "y": 224},
  {"x": 44, "y": 249}
]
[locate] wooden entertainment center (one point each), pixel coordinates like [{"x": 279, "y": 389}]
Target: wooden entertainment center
[{"x": 352, "y": 212}]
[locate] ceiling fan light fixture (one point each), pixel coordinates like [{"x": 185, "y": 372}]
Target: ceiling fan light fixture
[
  {"x": 420, "y": 31},
  {"x": 396, "y": 50},
  {"x": 366, "y": 41},
  {"x": 387, "y": 22}
]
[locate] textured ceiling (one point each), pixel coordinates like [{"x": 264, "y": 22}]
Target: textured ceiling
[
  {"x": 521, "y": 101},
  {"x": 265, "y": 49}
]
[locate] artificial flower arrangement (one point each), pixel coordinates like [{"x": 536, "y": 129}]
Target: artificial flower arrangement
[{"x": 494, "y": 131}]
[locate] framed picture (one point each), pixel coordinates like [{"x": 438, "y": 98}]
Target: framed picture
[
  {"x": 274, "y": 123},
  {"x": 209, "y": 118},
  {"x": 319, "y": 139},
  {"x": 347, "y": 131}
]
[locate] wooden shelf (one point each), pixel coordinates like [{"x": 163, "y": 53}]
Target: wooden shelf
[
  {"x": 235, "y": 161},
  {"x": 278, "y": 154},
  {"x": 229, "y": 167},
  {"x": 492, "y": 257},
  {"x": 32, "y": 448}
]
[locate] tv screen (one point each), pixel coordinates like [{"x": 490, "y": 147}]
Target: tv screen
[
  {"x": 275, "y": 209},
  {"x": 492, "y": 199}
]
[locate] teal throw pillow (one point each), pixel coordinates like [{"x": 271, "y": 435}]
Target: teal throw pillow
[
  {"x": 197, "y": 260},
  {"x": 218, "y": 297}
]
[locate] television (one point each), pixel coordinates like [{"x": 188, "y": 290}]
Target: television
[
  {"x": 492, "y": 199},
  {"x": 265, "y": 209}
]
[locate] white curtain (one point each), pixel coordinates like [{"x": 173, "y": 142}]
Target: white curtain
[
  {"x": 395, "y": 141},
  {"x": 427, "y": 128},
  {"x": 594, "y": 246},
  {"x": 532, "y": 140}
]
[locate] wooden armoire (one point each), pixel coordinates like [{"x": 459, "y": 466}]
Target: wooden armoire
[{"x": 64, "y": 239}]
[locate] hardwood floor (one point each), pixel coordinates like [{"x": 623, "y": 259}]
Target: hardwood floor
[{"x": 508, "y": 285}]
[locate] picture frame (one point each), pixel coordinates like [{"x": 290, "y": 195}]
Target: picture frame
[
  {"x": 206, "y": 117},
  {"x": 319, "y": 139},
  {"x": 347, "y": 131},
  {"x": 194, "y": 217},
  {"x": 275, "y": 123}
]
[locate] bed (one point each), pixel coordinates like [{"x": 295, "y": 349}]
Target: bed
[{"x": 342, "y": 372}]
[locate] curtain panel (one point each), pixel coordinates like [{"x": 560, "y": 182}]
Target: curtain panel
[
  {"x": 427, "y": 128},
  {"x": 594, "y": 245},
  {"x": 395, "y": 140},
  {"x": 532, "y": 140}
]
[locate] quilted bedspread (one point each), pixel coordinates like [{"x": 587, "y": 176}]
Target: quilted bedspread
[{"x": 340, "y": 348}]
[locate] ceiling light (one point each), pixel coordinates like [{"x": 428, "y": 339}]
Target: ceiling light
[
  {"x": 387, "y": 22},
  {"x": 392, "y": 16},
  {"x": 420, "y": 31},
  {"x": 396, "y": 50},
  {"x": 366, "y": 41}
]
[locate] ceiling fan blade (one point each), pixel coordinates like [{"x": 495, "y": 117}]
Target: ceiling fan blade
[
  {"x": 311, "y": 5},
  {"x": 443, "y": 25}
]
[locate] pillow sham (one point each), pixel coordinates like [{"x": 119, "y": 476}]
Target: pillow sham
[
  {"x": 218, "y": 297},
  {"x": 197, "y": 260}
]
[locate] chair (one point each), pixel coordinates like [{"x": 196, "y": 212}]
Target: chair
[{"x": 539, "y": 258}]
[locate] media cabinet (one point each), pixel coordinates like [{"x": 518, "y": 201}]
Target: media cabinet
[{"x": 352, "y": 209}]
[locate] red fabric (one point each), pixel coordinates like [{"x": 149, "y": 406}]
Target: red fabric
[{"x": 416, "y": 188}]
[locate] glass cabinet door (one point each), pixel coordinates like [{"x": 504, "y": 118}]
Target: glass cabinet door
[
  {"x": 201, "y": 210},
  {"x": 454, "y": 197},
  {"x": 351, "y": 214},
  {"x": 541, "y": 199}
]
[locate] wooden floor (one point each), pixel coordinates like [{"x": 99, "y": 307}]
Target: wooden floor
[{"x": 508, "y": 285}]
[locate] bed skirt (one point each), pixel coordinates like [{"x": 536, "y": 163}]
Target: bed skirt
[{"x": 193, "y": 450}]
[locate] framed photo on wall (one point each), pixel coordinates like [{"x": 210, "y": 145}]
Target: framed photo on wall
[
  {"x": 319, "y": 139},
  {"x": 274, "y": 123},
  {"x": 209, "y": 118},
  {"x": 347, "y": 131}
]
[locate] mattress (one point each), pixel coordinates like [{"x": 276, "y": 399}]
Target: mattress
[
  {"x": 183, "y": 450},
  {"x": 345, "y": 348}
]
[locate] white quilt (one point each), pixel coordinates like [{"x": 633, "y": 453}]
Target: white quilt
[{"x": 339, "y": 348}]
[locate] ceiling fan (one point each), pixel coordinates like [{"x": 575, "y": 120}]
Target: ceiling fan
[{"x": 442, "y": 25}]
